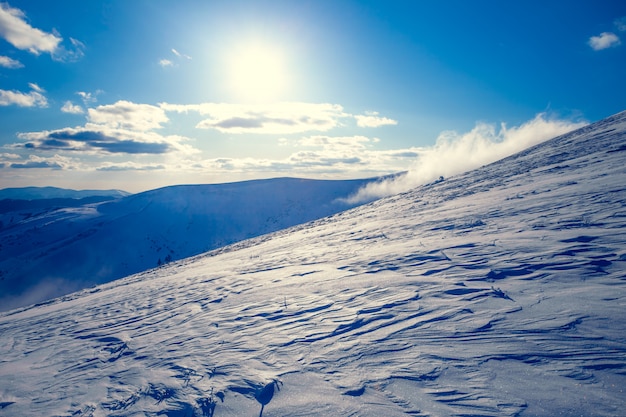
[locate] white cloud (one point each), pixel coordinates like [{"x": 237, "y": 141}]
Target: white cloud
[
  {"x": 76, "y": 52},
  {"x": 180, "y": 55},
  {"x": 620, "y": 24},
  {"x": 7, "y": 62},
  {"x": 455, "y": 153},
  {"x": 277, "y": 118},
  {"x": 34, "y": 98},
  {"x": 280, "y": 118},
  {"x": 55, "y": 162},
  {"x": 101, "y": 139},
  {"x": 166, "y": 63},
  {"x": 372, "y": 119},
  {"x": 315, "y": 156},
  {"x": 128, "y": 115},
  {"x": 72, "y": 108},
  {"x": 120, "y": 128},
  {"x": 336, "y": 144},
  {"x": 604, "y": 41},
  {"x": 15, "y": 30},
  {"x": 130, "y": 166},
  {"x": 36, "y": 88},
  {"x": 89, "y": 98}
]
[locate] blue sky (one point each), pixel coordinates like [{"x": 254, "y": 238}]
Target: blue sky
[{"x": 146, "y": 93}]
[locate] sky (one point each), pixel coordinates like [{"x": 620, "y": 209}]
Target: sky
[{"x": 140, "y": 94}]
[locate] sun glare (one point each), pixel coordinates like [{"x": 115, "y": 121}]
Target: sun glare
[{"x": 257, "y": 72}]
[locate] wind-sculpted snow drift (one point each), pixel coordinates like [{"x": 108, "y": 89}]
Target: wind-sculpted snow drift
[{"x": 499, "y": 292}]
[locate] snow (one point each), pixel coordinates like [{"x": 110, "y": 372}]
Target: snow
[
  {"x": 50, "y": 252},
  {"x": 37, "y": 193},
  {"x": 499, "y": 292}
]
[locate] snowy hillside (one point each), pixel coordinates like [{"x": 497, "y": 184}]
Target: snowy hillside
[
  {"x": 500, "y": 292},
  {"x": 35, "y": 193},
  {"x": 46, "y": 253}
]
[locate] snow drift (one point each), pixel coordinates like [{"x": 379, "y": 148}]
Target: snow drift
[{"x": 499, "y": 292}]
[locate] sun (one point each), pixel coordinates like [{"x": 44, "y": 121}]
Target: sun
[{"x": 257, "y": 72}]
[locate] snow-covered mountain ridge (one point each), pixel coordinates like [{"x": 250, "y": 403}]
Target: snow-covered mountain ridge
[
  {"x": 499, "y": 292},
  {"x": 46, "y": 253},
  {"x": 37, "y": 193}
]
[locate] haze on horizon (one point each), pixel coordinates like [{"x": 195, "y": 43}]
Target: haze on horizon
[{"x": 139, "y": 95}]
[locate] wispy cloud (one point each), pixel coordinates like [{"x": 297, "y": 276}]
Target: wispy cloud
[
  {"x": 603, "y": 41},
  {"x": 455, "y": 153},
  {"x": 89, "y": 98},
  {"x": 372, "y": 119},
  {"x": 280, "y": 118},
  {"x": 34, "y": 98},
  {"x": 7, "y": 62},
  {"x": 72, "y": 108},
  {"x": 620, "y": 24},
  {"x": 180, "y": 55},
  {"x": 37, "y": 162},
  {"x": 166, "y": 63},
  {"x": 130, "y": 166},
  {"x": 35, "y": 87},
  {"x": 70, "y": 54}
]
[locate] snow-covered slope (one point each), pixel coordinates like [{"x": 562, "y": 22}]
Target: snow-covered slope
[
  {"x": 500, "y": 292},
  {"x": 47, "y": 253},
  {"x": 36, "y": 193}
]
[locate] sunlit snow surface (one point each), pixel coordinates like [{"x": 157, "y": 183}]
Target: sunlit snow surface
[
  {"x": 500, "y": 292},
  {"x": 49, "y": 252}
]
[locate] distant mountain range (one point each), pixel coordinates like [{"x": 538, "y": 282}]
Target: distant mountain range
[
  {"x": 53, "y": 244},
  {"x": 39, "y": 193}
]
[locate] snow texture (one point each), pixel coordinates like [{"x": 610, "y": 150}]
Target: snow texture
[
  {"x": 47, "y": 251},
  {"x": 499, "y": 292}
]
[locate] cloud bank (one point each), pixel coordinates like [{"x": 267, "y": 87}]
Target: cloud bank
[
  {"x": 120, "y": 128},
  {"x": 455, "y": 153},
  {"x": 127, "y": 136},
  {"x": 278, "y": 118}
]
